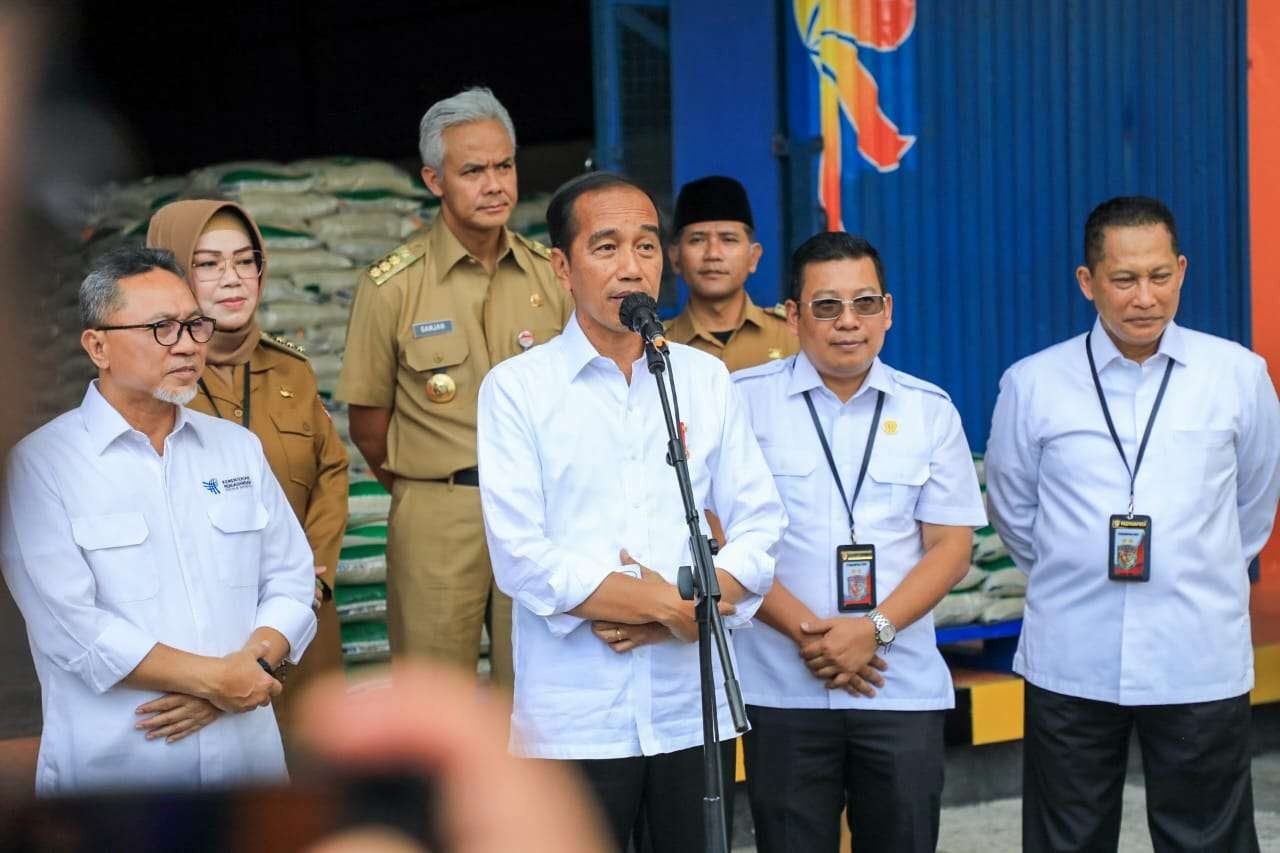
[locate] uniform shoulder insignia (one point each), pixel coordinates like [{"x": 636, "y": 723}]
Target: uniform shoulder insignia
[
  {"x": 779, "y": 311},
  {"x": 393, "y": 262},
  {"x": 534, "y": 246},
  {"x": 284, "y": 345},
  {"x": 909, "y": 381},
  {"x": 768, "y": 368}
]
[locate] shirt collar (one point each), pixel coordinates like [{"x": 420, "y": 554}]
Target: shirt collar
[
  {"x": 105, "y": 424},
  {"x": 1173, "y": 344},
  {"x": 450, "y": 251},
  {"x": 578, "y": 351},
  {"x": 804, "y": 377},
  {"x": 686, "y": 327}
]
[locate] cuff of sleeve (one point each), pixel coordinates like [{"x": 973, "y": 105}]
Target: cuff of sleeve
[
  {"x": 951, "y": 516},
  {"x": 745, "y": 567},
  {"x": 294, "y": 620},
  {"x": 745, "y": 611},
  {"x": 577, "y": 590},
  {"x": 581, "y": 578},
  {"x": 116, "y": 653},
  {"x": 560, "y": 624}
]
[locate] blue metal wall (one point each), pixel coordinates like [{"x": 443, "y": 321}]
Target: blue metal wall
[
  {"x": 725, "y": 111},
  {"x": 1026, "y": 114}
]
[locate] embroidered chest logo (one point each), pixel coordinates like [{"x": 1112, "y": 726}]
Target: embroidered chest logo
[
  {"x": 235, "y": 484},
  {"x": 890, "y": 427},
  {"x": 211, "y": 486}
]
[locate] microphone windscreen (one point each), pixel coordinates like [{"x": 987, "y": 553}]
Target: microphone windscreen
[{"x": 633, "y": 304}]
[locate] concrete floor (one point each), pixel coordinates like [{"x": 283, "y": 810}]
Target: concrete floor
[{"x": 996, "y": 826}]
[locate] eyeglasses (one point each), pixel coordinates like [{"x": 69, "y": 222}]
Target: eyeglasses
[
  {"x": 246, "y": 264},
  {"x": 829, "y": 308},
  {"x": 168, "y": 332}
]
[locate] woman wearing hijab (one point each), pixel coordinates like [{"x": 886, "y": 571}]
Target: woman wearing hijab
[{"x": 266, "y": 385}]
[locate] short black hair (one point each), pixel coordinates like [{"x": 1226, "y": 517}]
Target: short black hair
[
  {"x": 561, "y": 225},
  {"x": 100, "y": 291},
  {"x": 832, "y": 246},
  {"x": 1125, "y": 211}
]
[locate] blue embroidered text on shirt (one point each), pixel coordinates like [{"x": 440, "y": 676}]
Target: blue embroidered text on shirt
[
  {"x": 232, "y": 484},
  {"x": 435, "y": 327},
  {"x": 211, "y": 485}
]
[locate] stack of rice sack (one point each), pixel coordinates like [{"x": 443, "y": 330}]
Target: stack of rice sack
[
  {"x": 324, "y": 222},
  {"x": 993, "y": 590},
  {"x": 361, "y": 590}
]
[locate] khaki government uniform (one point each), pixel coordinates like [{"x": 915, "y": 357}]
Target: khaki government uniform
[
  {"x": 762, "y": 335},
  {"x": 427, "y": 324},
  {"x": 309, "y": 461}
]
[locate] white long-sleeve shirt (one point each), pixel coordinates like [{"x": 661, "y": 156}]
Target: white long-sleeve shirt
[
  {"x": 110, "y": 548},
  {"x": 572, "y": 469},
  {"x": 920, "y": 470},
  {"x": 1209, "y": 482}
]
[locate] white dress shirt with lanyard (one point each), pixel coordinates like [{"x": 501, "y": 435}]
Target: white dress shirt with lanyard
[
  {"x": 110, "y": 548},
  {"x": 573, "y": 469},
  {"x": 920, "y": 470},
  {"x": 1209, "y": 481}
]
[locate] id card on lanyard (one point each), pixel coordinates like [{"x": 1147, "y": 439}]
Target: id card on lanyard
[
  {"x": 855, "y": 563},
  {"x": 1128, "y": 535}
]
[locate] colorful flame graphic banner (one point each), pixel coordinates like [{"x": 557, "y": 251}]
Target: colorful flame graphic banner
[{"x": 834, "y": 31}]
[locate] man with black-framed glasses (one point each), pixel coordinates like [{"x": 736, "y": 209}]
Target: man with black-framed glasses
[
  {"x": 845, "y": 687},
  {"x": 161, "y": 573}
]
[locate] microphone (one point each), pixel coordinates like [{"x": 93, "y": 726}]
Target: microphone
[{"x": 639, "y": 313}]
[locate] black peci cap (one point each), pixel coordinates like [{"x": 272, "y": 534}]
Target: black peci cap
[{"x": 712, "y": 199}]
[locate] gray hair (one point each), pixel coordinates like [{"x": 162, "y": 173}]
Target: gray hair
[
  {"x": 476, "y": 104},
  {"x": 100, "y": 291}
]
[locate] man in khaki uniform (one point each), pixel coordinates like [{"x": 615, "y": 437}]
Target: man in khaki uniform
[
  {"x": 714, "y": 250},
  {"x": 428, "y": 322}
]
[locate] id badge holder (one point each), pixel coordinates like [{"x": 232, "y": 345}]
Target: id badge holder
[
  {"x": 1129, "y": 548},
  {"x": 855, "y": 578}
]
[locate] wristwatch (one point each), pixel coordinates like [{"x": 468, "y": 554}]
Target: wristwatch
[
  {"x": 885, "y": 632},
  {"x": 279, "y": 673}
]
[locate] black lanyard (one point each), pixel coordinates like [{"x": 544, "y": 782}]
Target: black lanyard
[
  {"x": 831, "y": 462},
  {"x": 1106, "y": 413},
  {"x": 244, "y": 405}
]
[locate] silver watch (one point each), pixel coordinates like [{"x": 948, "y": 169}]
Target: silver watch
[{"x": 885, "y": 632}]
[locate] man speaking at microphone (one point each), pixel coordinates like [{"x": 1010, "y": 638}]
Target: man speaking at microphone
[{"x": 586, "y": 527}]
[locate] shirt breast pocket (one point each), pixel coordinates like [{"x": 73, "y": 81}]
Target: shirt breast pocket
[
  {"x": 115, "y": 546},
  {"x": 792, "y": 469},
  {"x": 237, "y": 535},
  {"x": 897, "y": 481},
  {"x": 298, "y": 440},
  {"x": 436, "y": 352}
]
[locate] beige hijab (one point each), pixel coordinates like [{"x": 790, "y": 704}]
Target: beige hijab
[{"x": 177, "y": 227}]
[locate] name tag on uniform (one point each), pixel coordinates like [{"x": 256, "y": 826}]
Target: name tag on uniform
[
  {"x": 1129, "y": 548},
  {"x": 855, "y": 578},
  {"x": 435, "y": 327}
]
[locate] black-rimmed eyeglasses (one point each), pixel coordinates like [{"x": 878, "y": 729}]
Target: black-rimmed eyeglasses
[
  {"x": 829, "y": 308},
  {"x": 168, "y": 332}
]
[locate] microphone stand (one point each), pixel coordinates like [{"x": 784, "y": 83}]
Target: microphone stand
[{"x": 698, "y": 584}]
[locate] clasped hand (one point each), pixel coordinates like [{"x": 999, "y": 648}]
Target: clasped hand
[
  {"x": 842, "y": 653},
  {"x": 622, "y": 637},
  {"x": 240, "y": 685}
]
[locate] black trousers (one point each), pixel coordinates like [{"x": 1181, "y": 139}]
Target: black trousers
[
  {"x": 804, "y": 765},
  {"x": 657, "y": 799},
  {"x": 1195, "y": 759}
]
